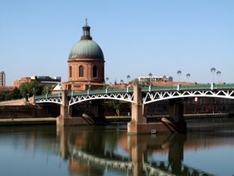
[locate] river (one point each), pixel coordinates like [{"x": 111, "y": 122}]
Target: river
[{"x": 207, "y": 149}]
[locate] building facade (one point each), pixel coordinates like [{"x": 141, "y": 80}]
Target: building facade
[
  {"x": 45, "y": 80},
  {"x": 155, "y": 78},
  {"x": 86, "y": 69},
  {"x": 2, "y": 78}
]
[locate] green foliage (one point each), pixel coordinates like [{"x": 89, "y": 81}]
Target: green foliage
[
  {"x": 25, "y": 90},
  {"x": 15, "y": 94},
  {"x": 46, "y": 90},
  {"x": 29, "y": 89},
  {"x": 116, "y": 105}
]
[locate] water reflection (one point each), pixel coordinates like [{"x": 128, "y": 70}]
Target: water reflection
[
  {"x": 90, "y": 149},
  {"x": 103, "y": 151}
]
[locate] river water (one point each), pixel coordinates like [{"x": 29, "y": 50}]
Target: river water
[{"x": 207, "y": 149}]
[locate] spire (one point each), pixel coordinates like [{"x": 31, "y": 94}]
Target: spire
[{"x": 86, "y": 31}]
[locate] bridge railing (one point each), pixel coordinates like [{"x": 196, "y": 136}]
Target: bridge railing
[
  {"x": 195, "y": 87},
  {"x": 144, "y": 89},
  {"x": 48, "y": 96},
  {"x": 224, "y": 86},
  {"x": 101, "y": 91},
  {"x": 188, "y": 87}
]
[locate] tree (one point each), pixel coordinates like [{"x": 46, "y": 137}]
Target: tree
[
  {"x": 46, "y": 90},
  {"x": 30, "y": 88},
  {"x": 213, "y": 71},
  {"x": 107, "y": 79},
  {"x": 135, "y": 81},
  {"x": 188, "y": 76},
  {"x": 179, "y": 73},
  {"x": 128, "y": 77},
  {"x": 218, "y": 73},
  {"x": 116, "y": 105}
]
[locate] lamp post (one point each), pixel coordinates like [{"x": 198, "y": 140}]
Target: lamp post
[
  {"x": 46, "y": 91},
  {"x": 150, "y": 76},
  {"x": 72, "y": 85},
  {"x": 212, "y": 85},
  {"x": 89, "y": 86}
]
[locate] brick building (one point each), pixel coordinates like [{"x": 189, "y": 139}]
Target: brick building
[{"x": 85, "y": 64}]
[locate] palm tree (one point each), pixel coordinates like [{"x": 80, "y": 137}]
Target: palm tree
[
  {"x": 107, "y": 79},
  {"x": 128, "y": 77},
  {"x": 213, "y": 71},
  {"x": 218, "y": 73},
  {"x": 188, "y": 76},
  {"x": 179, "y": 73}
]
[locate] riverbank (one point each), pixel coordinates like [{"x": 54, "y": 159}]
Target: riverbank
[
  {"x": 28, "y": 121},
  {"x": 109, "y": 119}
]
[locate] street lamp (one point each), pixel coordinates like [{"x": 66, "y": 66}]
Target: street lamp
[
  {"x": 72, "y": 85},
  {"x": 150, "y": 76},
  {"x": 212, "y": 85}
]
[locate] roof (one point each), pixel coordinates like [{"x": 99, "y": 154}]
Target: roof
[{"x": 86, "y": 49}]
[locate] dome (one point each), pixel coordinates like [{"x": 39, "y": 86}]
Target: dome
[{"x": 86, "y": 49}]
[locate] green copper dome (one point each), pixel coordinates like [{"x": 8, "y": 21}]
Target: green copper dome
[{"x": 86, "y": 47}]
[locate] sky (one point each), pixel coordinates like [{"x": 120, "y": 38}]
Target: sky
[{"x": 137, "y": 37}]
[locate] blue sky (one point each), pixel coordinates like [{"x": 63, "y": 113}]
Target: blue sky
[{"x": 137, "y": 37}]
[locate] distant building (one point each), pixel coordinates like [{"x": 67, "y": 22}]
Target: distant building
[
  {"x": 45, "y": 80},
  {"x": 155, "y": 78},
  {"x": 2, "y": 79}
]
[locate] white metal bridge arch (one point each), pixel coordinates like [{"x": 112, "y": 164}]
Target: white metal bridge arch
[
  {"x": 150, "y": 94},
  {"x": 159, "y": 96}
]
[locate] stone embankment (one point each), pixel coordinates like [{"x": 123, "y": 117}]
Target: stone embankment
[{"x": 28, "y": 121}]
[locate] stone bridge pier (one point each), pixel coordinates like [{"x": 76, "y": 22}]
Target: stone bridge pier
[
  {"x": 138, "y": 123},
  {"x": 64, "y": 118}
]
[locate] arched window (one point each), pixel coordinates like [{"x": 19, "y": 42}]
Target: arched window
[
  {"x": 70, "y": 71},
  {"x": 81, "y": 71},
  {"x": 94, "y": 71}
]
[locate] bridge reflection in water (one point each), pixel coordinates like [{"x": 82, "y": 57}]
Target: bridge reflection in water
[{"x": 118, "y": 151}]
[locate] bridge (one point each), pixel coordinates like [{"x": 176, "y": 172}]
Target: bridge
[
  {"x": 139, "y": 97},
  {"x": 151, "y": 93}
]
